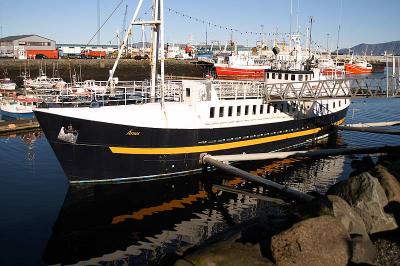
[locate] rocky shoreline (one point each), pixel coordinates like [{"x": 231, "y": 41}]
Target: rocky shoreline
[{"x": 354, "y": 223}]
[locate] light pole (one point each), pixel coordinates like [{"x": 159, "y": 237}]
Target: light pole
[
  {"x": 327, "y": 43},
  {"x": 262, "y": 32}
]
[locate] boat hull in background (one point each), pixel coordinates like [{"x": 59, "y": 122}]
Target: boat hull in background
[
  {"x": 239, "y": 72},
  {"x": 355, "y": 69}
]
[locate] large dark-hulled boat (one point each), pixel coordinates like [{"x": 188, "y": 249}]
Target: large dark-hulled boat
[{"x": 164, "y": 134}]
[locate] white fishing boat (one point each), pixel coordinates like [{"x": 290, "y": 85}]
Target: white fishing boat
[
  {"x": 165, "y": 133},
  {"x": 42, "y": 82},
  {"x": 7, "y": 85},
  {"x": 19, "y": 108}
]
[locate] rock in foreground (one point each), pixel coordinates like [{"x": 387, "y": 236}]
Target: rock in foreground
[{"x": 317, "y": 241}]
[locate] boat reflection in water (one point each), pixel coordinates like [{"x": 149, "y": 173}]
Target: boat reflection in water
[{"x": 139, "y": 223}]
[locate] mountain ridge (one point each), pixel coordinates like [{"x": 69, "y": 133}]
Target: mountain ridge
[{"x": 392, "y": 47}]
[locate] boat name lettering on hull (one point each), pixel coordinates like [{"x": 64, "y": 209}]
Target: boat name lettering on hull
[{"x": 133, "y": 133}]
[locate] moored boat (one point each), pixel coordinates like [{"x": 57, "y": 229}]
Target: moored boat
[
  {"x": 165, "y": 134},
  {"x": 7, "y": 85},
  {"x": 241, "y": 66},
  {"x": 358, "y": 67},
  {"x": 328, "y": 67},
  {"x": 19, "y": 108}
]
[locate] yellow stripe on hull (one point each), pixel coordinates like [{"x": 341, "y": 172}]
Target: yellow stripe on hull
[{"x": 216, "y": 147}]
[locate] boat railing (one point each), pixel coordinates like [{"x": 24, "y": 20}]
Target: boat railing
[
  {"x": 228, "y": 90},
  {"x": 140, "y": 92},
  {"x": 308, "y": 90}
]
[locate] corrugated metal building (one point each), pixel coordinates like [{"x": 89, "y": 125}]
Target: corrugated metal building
[{"x": 27, "y": 46}]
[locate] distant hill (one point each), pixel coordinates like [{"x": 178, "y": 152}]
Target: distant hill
[{"x": 375, "y": 49}]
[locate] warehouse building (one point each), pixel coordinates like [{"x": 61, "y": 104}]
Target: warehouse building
[{"x": 28, "y": 47}]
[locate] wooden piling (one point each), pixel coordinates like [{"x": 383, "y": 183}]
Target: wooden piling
[{"x": 10, "y": 127}]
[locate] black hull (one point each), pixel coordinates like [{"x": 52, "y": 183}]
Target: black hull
[{"x": 109, "y": 152}]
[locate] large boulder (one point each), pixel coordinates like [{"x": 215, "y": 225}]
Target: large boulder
[
  {"x": 350, "y": 219},
  {"x": 229, "y": 252},
  {"x": 317, "y": 241},
  {"x": 363, "y": 251},
  {"x": 389, "y": 183},
  {"x": 364, "y": 193}
]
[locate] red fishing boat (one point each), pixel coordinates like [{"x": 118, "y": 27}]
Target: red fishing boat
[
  {"x": 359, "y": 67},
  {"x": 241, "y": 66}
]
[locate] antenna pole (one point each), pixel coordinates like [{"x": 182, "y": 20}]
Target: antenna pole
[
  {"x": 297, "y": 12},
  {"x": 290, "y": 28},
  {"x": 310, "y": 37},
  {"x": 327, "y": 43},
  {"x": 98, "y": 22},
  {"x": 161, "y": 14}
]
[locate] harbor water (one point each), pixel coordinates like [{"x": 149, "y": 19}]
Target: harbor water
[{"x": 44, "y": 220}]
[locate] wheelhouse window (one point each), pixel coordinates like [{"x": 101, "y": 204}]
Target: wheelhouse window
[
  {"x": 261, "y": 109},
  {"x": 300, "y": 77},
  {"x": 273, "y": 75},
  {"x": 275, "y": 108},
  {"x": 254, "y": 109},
  {"x": 334, "y": 105},
  {"x": 230, "y": 109},
  {"x": 286, "y": 76},
  {"x": 293, "y": 77},
  {"x": 267, "y": 75},
  {"x": 238, "y": 110},
  {"x": 187, "y": 92},
  {"x": 221, "y": 111},
  {"x": 340, "y": 103},
  {"x": 246, "y": 110},
  {"x": 212, "y": 112},
  {"x": 280, "y": 76},
  {"x": 268, "y": 108}
]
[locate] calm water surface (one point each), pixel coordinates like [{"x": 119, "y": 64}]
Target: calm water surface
[{"x": 45, "y": 221}]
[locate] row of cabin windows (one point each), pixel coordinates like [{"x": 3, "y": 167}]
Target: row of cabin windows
[
  {"x": 281, "y": 107},
  {"x": 253, "y": 110},
  {"x": 288, "y": 76}
]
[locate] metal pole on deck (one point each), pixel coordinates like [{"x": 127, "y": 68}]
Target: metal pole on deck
[
  {"x": 162, "y": 51},
  {"x": 154, "y": 50},
  {"x": 387, "y": 76},
  {"x": 393, "y": 75}
]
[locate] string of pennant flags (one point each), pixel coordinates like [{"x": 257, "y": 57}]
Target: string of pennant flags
[
  {"x": 228, "y": 28},
  {"x": 222, "y": 27}
]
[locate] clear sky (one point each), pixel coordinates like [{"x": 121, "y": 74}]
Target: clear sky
[{"x": 75, "y": 21}]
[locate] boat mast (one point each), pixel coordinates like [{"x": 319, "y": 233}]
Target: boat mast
[
  {"x": 290, "y": 27},
  {"x": 161, "y": 28},
  {"x": 310, "y": 36},
  {"x": 154, "y": 48}
]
